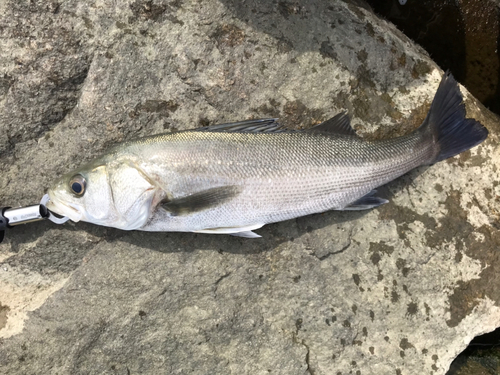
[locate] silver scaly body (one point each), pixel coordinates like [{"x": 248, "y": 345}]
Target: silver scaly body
[{"x": 278, "y": 176}]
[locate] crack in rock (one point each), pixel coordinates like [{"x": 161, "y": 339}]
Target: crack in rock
[
  {"x": 216, "y": 284},
  {"x": 326, "y": 256},
  {"x": 307, "y": 359}
]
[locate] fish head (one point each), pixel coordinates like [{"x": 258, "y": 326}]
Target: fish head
[{"x": 114, "y": 194}]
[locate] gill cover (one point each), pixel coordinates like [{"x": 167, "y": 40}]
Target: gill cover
[{"x": 132, "y": 194}]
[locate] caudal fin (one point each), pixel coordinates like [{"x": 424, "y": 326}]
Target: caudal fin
[{"x": 452, "y": 132}]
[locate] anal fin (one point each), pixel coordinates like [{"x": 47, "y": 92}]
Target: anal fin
[{"x": 366, "y": 202}]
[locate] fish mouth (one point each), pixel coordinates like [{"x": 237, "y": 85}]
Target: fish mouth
[{"x": 64, "y": 209}]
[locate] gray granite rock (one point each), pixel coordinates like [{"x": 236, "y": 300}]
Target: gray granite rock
[{"x": 397, "y": 290}]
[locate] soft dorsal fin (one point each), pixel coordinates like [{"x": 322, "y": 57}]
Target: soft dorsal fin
[
  {"x": 200, "y": 201},
  {"x": 339, "y": 124},
  {"x": 265, "y": 125}
]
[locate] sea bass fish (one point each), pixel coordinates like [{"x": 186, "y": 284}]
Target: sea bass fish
[{"x": 235, "y": 178}]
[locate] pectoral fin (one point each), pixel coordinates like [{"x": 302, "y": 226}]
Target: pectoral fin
[{"x": 201, "y": 201}]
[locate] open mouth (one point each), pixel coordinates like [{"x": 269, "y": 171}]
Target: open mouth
[{"x": 64, "y": 209}]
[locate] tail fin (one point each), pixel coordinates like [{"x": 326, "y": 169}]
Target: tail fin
[{"x": 452, "y": 132}]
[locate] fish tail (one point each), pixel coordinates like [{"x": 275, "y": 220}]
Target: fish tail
[{"x": 452, "y": 133}]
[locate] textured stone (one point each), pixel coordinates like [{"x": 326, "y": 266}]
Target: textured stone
[{"x": 397, "y": 290}]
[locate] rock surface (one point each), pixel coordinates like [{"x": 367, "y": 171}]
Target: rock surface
[{"x": 397, "y": 290}]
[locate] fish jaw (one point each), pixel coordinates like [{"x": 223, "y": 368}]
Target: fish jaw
[{"x": 73, "y": 211}]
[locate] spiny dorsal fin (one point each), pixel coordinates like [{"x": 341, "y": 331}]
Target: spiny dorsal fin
[
  {"x": 265, "y": 125},
  {"x": 201, "y": 201},
  {"x": 339, "y": 124}
]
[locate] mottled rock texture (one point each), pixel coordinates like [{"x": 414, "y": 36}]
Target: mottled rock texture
[{"x": 397, "y": 290}]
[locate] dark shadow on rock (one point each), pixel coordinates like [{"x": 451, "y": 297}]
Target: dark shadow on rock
[
  {"x": 437, "y": 26},
  {"x": 481, "y": 356},
  {"x": 460, "y": 36}
]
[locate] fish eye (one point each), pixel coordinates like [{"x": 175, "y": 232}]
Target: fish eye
[{"x": 77, "y": 185}]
